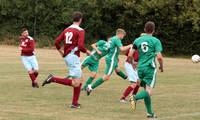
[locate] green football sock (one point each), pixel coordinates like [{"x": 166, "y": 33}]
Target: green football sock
[
  {"x": 141, "y": 95},
  {"x": 97, "y": 83},
  {"x": 147, "y": 102},
  {"x": 122, "y": 74},
  {"x": 89, "y": 81}
]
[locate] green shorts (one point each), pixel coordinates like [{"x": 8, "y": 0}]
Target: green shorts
[
  {"x": 147, "y": 75},
  {"x": 110, "y": 66},
  {"x": 91, "y": 63}
]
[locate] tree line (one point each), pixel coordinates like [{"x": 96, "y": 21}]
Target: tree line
[{"x": 177, "y": 21}]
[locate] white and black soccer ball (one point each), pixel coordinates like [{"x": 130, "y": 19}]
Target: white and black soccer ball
[{"x": 195, "y": 58}]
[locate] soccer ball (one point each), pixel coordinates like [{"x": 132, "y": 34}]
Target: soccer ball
[{"x": 195, "y": 58}]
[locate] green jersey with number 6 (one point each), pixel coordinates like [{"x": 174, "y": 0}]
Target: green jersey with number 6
[
  {"x": 148, "y": 46},
  {"x": 102, "y": 46}
]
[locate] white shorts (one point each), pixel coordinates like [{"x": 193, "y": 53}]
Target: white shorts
[
  {"x": 30, "y": 62},
  {"x": 132, "y": 74},
  {"x": 74, "y": 65}
]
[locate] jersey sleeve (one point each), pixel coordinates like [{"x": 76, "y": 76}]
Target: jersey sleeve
[
  {"x": 81, "y": 39},
  {"x": 158, "y": 46},
  {"x": 58, "y": 40},
  {"x": 118, "y": 43}
]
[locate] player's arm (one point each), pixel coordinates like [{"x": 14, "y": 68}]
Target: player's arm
[
  {"x": 130, "y": 54},
  {"x": 58, "y": 43},
  {"x": 160, "y": 61},
  {"x": 125, "y": 48},
  {"x": 94, "y": 46},
  {"x": 81, "y": 46}
]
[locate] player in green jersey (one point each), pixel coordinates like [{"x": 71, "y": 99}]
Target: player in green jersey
[
  {"x": 100, "y": 49},
  {"x": 149, "y": 49},
  {"x": 111, "y": 58}
]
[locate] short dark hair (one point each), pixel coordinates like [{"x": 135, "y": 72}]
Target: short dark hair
[
  {"x": 149, "y": 27},
  {"x": 77, "y": 16},
  {"x": 23, "y": 29}
]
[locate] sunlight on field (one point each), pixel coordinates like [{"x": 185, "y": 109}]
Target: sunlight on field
[{"x": 176, "y": 96}]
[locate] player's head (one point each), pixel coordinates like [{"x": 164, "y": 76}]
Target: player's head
[
  {"x": 24, "y": 32},
  {"x": 120, "y": 33},
  {"x": 149, "y": 27},
  {"x": 77, "y": 17}
]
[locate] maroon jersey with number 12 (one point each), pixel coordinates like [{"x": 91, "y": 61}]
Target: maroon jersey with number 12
[{"x": 73, "y": 37}]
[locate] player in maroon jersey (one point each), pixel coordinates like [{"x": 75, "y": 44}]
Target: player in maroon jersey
[
  {"x": 131, "y": 71},
  {"x": 27, "y": 47},
  {"x": 73, "y": 39}
]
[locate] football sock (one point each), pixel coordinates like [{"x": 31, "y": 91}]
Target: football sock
[
  {"x": 89, "y": 81},
  {"x": 141, "y": 95},
  {"x": 122, "y": 74},
  {"x": 135, "y": 90},
  {"x": 76, "y": 94},
  {"x": 97, "y": 83},
  {"x": 32, "y": 76},
  {"x": 127, "y": 92},
  {"x": 64, "y": 81},
  {"x": 36, "y": 74},
  {"x": 147, "y": 101}
]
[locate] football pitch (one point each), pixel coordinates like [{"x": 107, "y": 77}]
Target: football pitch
[{"x": 176, "y": 95}]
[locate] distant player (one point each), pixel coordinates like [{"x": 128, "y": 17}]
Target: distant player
[
  {"x": 73, "y": 40},
  {"x": 27, "y": 47},
  {"x": 111, "y": 58},
  {"x": 131, "y": 70},
  {"x": 149, "y": 48},
  {"x": 100, "y": 49}
]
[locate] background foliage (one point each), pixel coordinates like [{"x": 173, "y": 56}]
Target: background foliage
[{"x": 177, "y": 21}]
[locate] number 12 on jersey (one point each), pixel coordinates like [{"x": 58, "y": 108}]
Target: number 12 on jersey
[{"x": 68, "y": 37}]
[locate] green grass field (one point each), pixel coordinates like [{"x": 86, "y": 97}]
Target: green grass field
[{"x": 176, "y": 96}]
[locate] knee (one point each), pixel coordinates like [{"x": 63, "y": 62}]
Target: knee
[
  {"x": 31, "y": 71},
  {"x": 116, "y": 71},
  {"x": 76, "y": 83},
  {"x": 93, "y": 75},
  {"x": 106, "y": 78},
  {"x": 150, "y": 92}
]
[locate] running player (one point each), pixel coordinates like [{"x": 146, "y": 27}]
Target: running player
[
  {"x": 149, "y": 48},
  {"x": 131, "y": 70},
  {"x": 27, "y": 47},
  {"x": 111, "y": 58},
  {"x": 73, "y": 39},
  {"x": 100, "y": 49}
]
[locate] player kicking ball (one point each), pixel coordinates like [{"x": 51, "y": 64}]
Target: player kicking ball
[
  {"x": 73, "y": 40},
  {"x": 111, "y": 58},
  {"x": 27, "y": 47},
  {"x": 149, "y": 48},
  {"x": 131, "y": 70},
  {"x": 100, "y": 49}
]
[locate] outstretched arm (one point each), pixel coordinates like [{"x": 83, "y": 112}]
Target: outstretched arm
[{"x": 125, "y": 48}]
